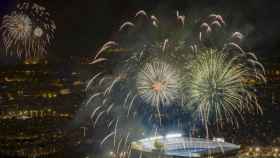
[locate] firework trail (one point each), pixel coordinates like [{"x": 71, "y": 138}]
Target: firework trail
[
  {"x": 126, "y": 24},
  {"x": 141, "y": 12},
  {"x": 27, "y": 31}
]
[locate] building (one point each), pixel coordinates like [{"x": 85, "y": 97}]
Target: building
[
  {"x": 38, "y": 102},
  {"x": 176, "y": 145}
]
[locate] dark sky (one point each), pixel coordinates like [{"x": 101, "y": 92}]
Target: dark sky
[{"x": 84, "y": 25}]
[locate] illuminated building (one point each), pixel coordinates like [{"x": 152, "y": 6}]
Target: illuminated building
[
  {"x": 176, "y": 145},
  {"x": 38, "y": 101}
]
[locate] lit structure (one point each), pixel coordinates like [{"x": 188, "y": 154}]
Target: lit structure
[
  {"x": 37, "y": 103},
  {"x": 176, "y": 145},
  {"x": 257, "y": 151}
]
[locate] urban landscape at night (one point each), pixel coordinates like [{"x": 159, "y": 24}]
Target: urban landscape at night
[{"x": 139, "y": 79}]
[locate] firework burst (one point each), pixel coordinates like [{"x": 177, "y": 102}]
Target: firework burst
[
  {"x": 28, "y": 30},
  {"x": 157, "y": 83},
  {"x": 217, "y": 85}
]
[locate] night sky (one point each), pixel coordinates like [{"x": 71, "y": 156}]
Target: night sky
[{"x": 83, "y": 26}]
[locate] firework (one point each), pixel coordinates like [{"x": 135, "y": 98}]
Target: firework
[
  {"x": 28, "y": 30},
  {"x": 146, "y": 77},
  {"x": 217, "y": 86},
  {"x": 148, "y": 74},
  {"x": 159, "y": 70},
  {"x": 157, "y": 83}
]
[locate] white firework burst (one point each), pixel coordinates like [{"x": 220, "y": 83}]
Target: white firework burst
[
  {"x": 157, "y": 83},
  {"x": 28, "y": 30},
  {"x": 18, "y": 26}
]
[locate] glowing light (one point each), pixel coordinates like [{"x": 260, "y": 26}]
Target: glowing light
[
  {"x": 219, "y": 139},
  {"x": 175, "y": 135},
  {"x": 38, "y": 32},
  {"x": 65, "y": 91}
]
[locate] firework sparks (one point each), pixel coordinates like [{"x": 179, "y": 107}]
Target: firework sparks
[{"x": 28, "y": 30}]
